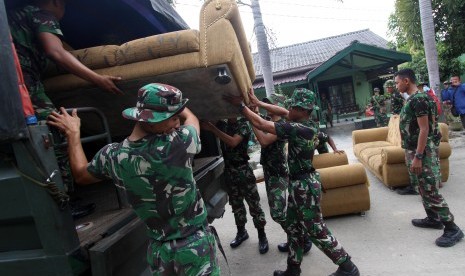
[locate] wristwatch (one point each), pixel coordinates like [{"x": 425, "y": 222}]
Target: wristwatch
[
  {"x": 241, "y": 107},
  {"x": 419, "y": 156}
]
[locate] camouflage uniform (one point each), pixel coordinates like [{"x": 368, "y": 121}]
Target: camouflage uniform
[
  {"x": 379, "y": 106},
  {"x": 325, "y": 113},
  {"x": 397, "y": 101},
  {"x": 273, "y": 159},
  {"x": 322, "y": 146},
  {"x": 156, "y": 173},
  {"x": 428, "y": 181},
  {"x": 239, "y": 177},
  {"x": 25, "y": 25},
  {"x": 304, "y": 211}
]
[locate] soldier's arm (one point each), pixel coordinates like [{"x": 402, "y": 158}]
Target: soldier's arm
[
  {"x": 190, "y": 119},
  {"x": 70, "y": 125},
  {"x": 265, "y": 139},
  {"x": 53, "y": 48},
  {"x": 258, "y": 122},
  {"x": 230, "y": 141},
  {"x": 333, "y": 145},
  {"x": 268, "y": 107}
]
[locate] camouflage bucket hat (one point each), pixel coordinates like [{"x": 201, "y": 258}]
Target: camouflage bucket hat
[
  {"x": 389, "y": 83},
  {"x": 156, "y": 102},
  {"x": 303, "y": 98}
]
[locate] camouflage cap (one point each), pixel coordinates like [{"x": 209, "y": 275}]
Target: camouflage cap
[
  {"x": 304, "y": 98},
  {"x": 389, "y": 83},
  {"x": 156, "y": 102}
]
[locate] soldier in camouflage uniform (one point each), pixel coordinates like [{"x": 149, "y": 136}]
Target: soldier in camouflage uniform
[
  {"x": 397, "y": 101},
  {"x": 420, "y": 138},
  {"x": 274, "y": 161},
  {"x": 323, "y": 140},
  {"x": 37, "y": 36},
  {"x": 378, "y": 102},
  {"x": 154, "y": 166},
  {"x": 304, "y": 210},
  {"x": 240, "y": 181}
]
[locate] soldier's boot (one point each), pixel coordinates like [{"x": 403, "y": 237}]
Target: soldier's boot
[
  {"x": 292, "y": 270},
  {"x": 241, "y": 236},
  {"x": 431, "y": 221},
  {"x": 262, "y": 241},
  {"x": 284, "y": 247},
  {"x": 347, "y": 268},
  {"x": 452, "y": 235},
  {"x": 409, "y": 190}
]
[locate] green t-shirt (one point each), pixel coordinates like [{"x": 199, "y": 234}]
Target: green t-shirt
[
  {"x": 418, "y": 105},
  {"x": 237, "y": 156},
  {"x": 25, "y": 26},
  {"x": 301, "y": 139},
  {"x": 273, "y": 157},
  {"x": 156, "y": 173}
]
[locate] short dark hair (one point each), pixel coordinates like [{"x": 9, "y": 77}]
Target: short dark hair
[
  {"x": 455, "y": 76},
  {"x": 406, "y": 74}
]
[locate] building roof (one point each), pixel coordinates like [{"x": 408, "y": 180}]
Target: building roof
[{"x": 309, "y": 55}]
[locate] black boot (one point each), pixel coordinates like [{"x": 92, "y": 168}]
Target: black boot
[
  {"x": 262, "y": 241},
  {"x": 79, "y": 210},
  {"x": 284, "y": 247},
  {"x": 347, "y": 268},
  {"x": 409, "y": 190},
  {"x": 427, "y": 223},
  {"x": 241, "y": 236},
  {"x": 452, "y": 235},
  {"x": 431, "y": 221},
  {"x": 292, "y": 270}
]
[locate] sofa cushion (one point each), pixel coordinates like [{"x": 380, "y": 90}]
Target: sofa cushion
[
  {"x": 331, "y": 159},
  {"x": 394, "y": 131},
  {"x": 343, "y": 176},
  {"x": 158, "y": 46},
  {"x": 358, "y": 148}
]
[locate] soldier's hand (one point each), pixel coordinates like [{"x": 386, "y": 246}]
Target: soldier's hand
[
  {"x": 107, "y": 83},
  {"x": 339, "y": 151},
  {"x": 253, "y": 99},
  {"x": 416, "y": 166},
  {"x": 68, "y": 124}
]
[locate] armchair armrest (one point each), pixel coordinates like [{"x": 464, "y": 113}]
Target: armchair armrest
[
  {"x": 392, "y": 155},
  {"x": 331, "y": 159},
  {"x": 369, "y": 135}
]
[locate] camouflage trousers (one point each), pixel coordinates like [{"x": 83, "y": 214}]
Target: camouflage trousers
[
  {"x": 240, "y": 182},
  {"x": 43, "y": 106},
  {"x": 381, "y": 119},
  {"x": 276, "y": 191},
  {"x": 304, "y": 218},
  {"x": 191, "y": 256},
  {"x": 428, "y": 182}
]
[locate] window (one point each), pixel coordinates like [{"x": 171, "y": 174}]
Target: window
[{"x": 340, "y": 93}]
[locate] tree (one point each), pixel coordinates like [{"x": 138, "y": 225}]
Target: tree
[
  {"x": 262, "y": 46},
  {"x": 427, "y": 28},
  {"x": 449, "y": 26}
]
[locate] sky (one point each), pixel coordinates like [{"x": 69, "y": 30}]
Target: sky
[{"x": 295, "y": 21}]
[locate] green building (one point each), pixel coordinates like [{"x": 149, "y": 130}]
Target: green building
[{"x": 345, "y": 67}]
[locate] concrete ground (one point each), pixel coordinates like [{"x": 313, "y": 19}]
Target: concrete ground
[{"x": 383, "y": 242}]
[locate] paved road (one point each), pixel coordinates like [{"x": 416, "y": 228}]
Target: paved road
[{"x": 381, "y": 243}]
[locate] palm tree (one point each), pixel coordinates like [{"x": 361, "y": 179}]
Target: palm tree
[
  {"x": 429, "y": 40},
  {"x": 262, "y": 46}
]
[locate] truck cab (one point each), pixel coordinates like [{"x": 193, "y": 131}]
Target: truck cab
[{"x": 38, "y": 235}]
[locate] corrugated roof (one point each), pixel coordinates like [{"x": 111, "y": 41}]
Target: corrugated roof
[{"x": 312, "y": 53}]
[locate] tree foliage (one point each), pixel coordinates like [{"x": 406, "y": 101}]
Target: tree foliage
[{"x": 449, "y": 20}]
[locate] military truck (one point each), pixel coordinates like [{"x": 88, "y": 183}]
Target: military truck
[{"x": 38, "y": 235}]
